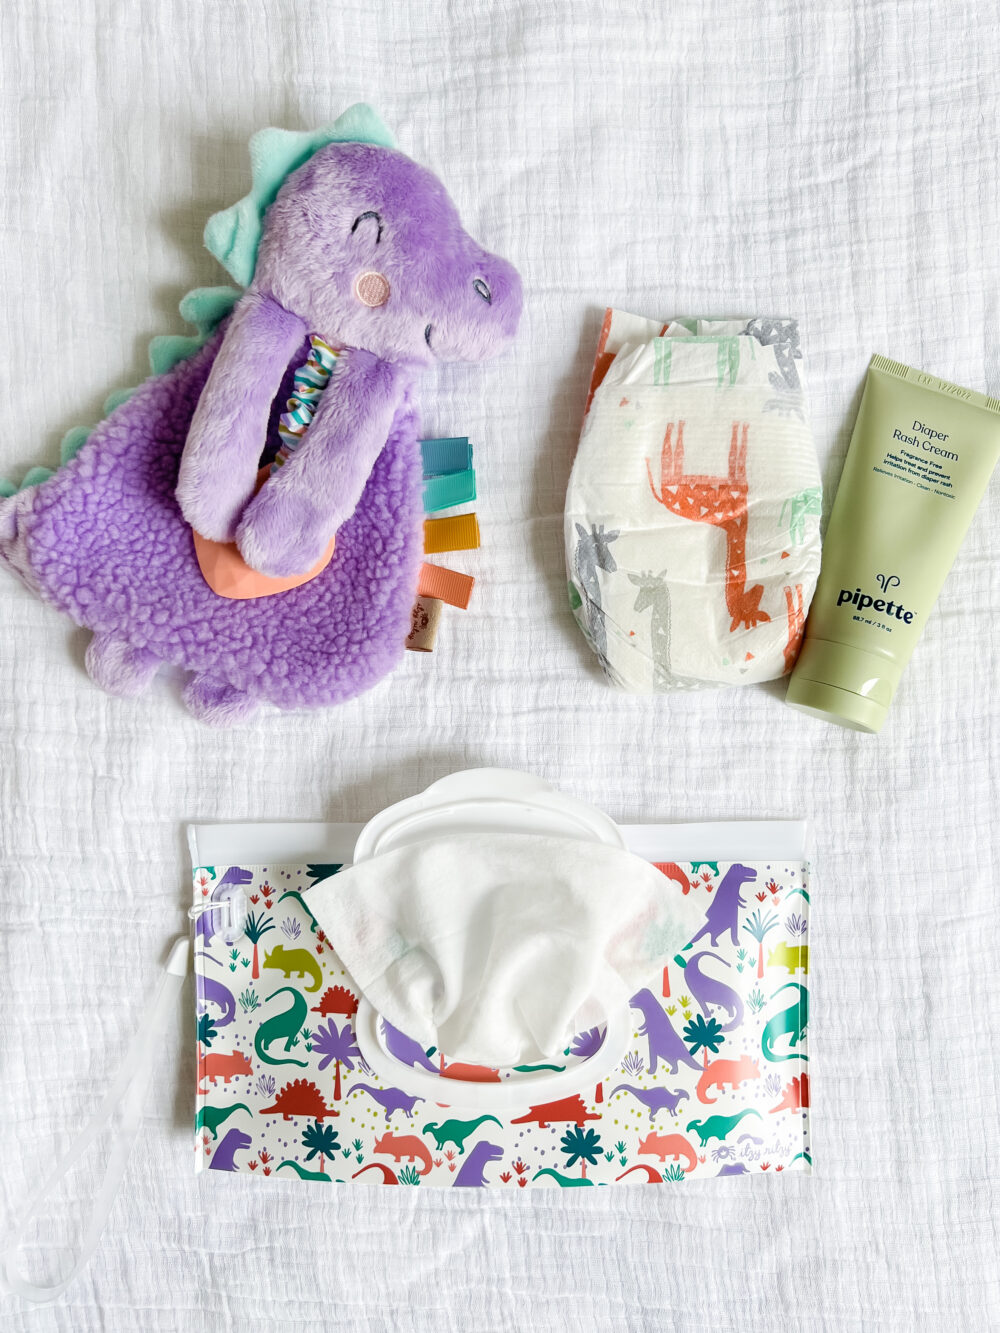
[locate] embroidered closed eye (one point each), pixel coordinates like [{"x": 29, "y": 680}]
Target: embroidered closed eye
[
  {"x": 363, "y": 217},
  {"x": 484, "y": 291}
]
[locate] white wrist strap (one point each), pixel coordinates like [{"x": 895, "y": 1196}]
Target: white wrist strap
[{"x": 127, "y": 1088}]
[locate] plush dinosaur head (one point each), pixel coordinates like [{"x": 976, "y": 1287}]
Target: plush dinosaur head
[{"x": 367, "y": 248}]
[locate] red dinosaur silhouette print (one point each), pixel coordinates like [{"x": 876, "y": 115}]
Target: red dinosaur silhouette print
[{"x": 721, "y": 1048}]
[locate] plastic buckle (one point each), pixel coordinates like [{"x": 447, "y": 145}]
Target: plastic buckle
[{"x": 231, "y": 907}]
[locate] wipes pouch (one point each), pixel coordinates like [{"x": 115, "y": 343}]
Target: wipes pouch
[
  {"x": 692, "y": 515},
  {"x": 416, "y": 1018}
]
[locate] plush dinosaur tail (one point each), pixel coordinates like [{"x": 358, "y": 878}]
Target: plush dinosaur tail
[{"x": 13, "y": 548}]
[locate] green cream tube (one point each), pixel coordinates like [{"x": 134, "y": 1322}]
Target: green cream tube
[{"x": 919, "y": 462}]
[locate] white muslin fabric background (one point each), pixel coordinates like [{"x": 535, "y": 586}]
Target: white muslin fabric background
[{"x": 836, "y": 162}]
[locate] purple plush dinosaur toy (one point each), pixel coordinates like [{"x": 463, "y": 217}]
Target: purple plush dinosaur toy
[{"x": 363, "y": 248}]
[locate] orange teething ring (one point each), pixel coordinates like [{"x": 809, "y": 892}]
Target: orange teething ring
[{"x": 228, "y": 574}]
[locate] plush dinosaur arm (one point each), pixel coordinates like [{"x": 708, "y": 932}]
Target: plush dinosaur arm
[
  {"x": 288, "y": 525},
  {"x": 219, "y": 464}
]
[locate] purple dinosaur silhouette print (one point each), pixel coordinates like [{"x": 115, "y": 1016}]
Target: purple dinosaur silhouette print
[
  {"x": 723, "y": 913},
  {"x": 391, "y": 1100},
  {"x": 473, "y": 1167},
  {"x": 405, "y": 1049},
  {"x": 706, "y": 990},
  {"x": 654, "y": 1099},
  {"x": 664, "y": 1043},
  {"x": 734, "y": 1169},
  {"x": 224, "y": 1157},
  {"x": 211, "y": 991}
]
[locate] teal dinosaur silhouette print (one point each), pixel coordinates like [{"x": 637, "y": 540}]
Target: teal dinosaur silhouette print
[
  {"x": 297, "y": 897},
  {"x": 564, "y": 1182},
  {"x": 286, "y": 1093},
  {"x": 457, "y": 1131},
  {"x": 719, "y": 1126},
  {"x": 302, "y": 1173},
  {"x": 284, "y": 1026},
  {"x": 790, "y": 1023},
  {"x": 211, "y": 1117}
]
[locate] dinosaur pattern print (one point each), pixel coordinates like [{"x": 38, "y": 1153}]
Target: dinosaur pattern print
[{"x": 714, "y": 1081}]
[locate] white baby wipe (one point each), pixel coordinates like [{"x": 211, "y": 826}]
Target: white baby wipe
[
  {"x": 498, "y": 948},
  {"x": 692, "y": 514}
]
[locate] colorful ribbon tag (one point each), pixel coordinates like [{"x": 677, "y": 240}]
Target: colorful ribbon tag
[
  {"x": 458, "y": 488},
  {"x": 458, "y": 533},
  {"x": 447, "y": 585},
  {"x": 442, "y": 457}
]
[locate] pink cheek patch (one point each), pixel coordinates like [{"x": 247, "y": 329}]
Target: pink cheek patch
[{"x": 372, "y": 288}]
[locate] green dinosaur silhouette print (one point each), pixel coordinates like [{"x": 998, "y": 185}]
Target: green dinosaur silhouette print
[
  {"x": 793, "y": 958},
  {"x": 285, "y": 1025},
  {"x": 718, "y": 1126},
  {"x": 299, "y": 961},
  {"x": 302, "y": 1173},
  {"x": 211, "y": 1117},
  {"x": 457, "y": 1131},
  {"x": 293, "y": 893},
  {"x": 790, "y": 1023},
  {"x": 564, "y": 1182}
]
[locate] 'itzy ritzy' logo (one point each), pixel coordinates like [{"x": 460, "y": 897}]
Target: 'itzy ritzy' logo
[{"x": 864, "y": 601}]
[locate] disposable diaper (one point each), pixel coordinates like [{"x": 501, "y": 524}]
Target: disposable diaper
[{"x": 693, "y": 510}]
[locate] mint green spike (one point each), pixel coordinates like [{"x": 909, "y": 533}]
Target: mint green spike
[
  {"x": 35, "y": 476},
  {"x": 116, "y": 399},
  {"x": 207, "y": 307},
  {"x": 7, "y": 488},
  {"x": 72, "y": 442},
  {"x": 167, "y": 349}
]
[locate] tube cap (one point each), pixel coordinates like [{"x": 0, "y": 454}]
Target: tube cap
[{"x": 843, "y": 684}]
